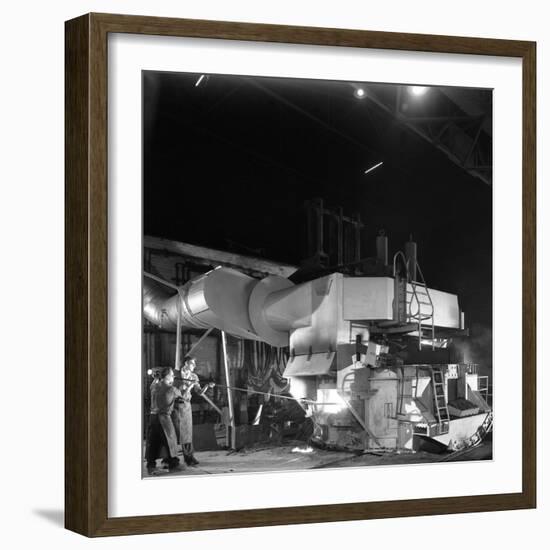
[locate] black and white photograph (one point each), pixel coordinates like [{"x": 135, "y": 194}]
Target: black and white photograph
[
  {"x": 317, "y": 274},
  {"x": 275, "y": 272}
]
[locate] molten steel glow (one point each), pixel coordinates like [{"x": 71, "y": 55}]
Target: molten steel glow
[{"x": 329, "y": 400}]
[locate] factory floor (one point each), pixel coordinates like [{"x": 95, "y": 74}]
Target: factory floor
[{"x": 296, "y": 455}]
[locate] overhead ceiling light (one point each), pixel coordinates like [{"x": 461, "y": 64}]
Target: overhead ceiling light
[
  {"x": 374, "y": 167},
  {"x": 418, "y": 91},
  {"x": 359, "y": 93},
  {"x": 201, "y": 78}
]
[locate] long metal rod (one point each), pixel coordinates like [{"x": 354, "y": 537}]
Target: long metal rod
[
  {"x": 359, "y": 420},
  {"x": 212, "y": 404},
  {"x": 177, "y": 364},
  {"x": 233, "y": 442},
  {"x": 199, "y": 341},
  {"x": 269, "y": 394}
]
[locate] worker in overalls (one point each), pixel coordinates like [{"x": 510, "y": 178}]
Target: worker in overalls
[
  {"x": 161, "y": 440},
  {"x": 183, "y": 412}
]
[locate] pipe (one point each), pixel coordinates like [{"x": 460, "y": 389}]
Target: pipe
[
  {"x": 230, "y": 301},
  {"x": 218, "y": 299},
  {"x": 159, "y": 307},
  {"x": 199, "y": 342},
  {"x": 289, "y": 308},
  {"x": 265, "y": 310},
  {"x": 177, "y": 363},
  {"x": 382, "y": 248},
  {"x": 410, "y": 253},
  {"x": 233, "y": 435}
]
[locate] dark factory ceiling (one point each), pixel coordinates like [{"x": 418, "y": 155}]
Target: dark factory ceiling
[{"x": 456, "y": 121}]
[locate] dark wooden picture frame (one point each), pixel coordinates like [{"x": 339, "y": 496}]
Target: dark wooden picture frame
[{"x": 86, "y": 282}]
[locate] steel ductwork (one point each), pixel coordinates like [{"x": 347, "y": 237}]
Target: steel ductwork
[{"x": 223, "y": 298}]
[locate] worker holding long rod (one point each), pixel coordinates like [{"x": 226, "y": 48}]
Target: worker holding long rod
[{"x": 183, "y": 419}]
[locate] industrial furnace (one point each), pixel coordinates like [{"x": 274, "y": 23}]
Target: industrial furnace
[{"x": 369, "y": 356}]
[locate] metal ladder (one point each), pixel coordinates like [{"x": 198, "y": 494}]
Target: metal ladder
[
  {"x": 423, "y": 313},
  {"x": 440, "y": 401}
]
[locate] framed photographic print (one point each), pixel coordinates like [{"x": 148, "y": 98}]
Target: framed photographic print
[{"x": 300, "y": 275}]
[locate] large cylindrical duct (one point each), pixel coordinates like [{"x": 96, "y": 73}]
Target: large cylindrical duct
[
  {"x": 231, "y": 301},
  {"x": 159, "y": 304},
  {"x": 216, "y": 299}
]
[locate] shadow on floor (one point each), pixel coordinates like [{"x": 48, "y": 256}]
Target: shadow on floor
[{"x": 57, "y": 517}]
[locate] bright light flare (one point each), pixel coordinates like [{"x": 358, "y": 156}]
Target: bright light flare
[
  {"x": 359, "y": 93},
  {"x": 329, "y": 400},
  {"x": 150, "y": 372},
  {"x": 418, "y": 91}
]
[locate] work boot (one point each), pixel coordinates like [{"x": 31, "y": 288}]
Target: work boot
[
  {"x": 176, "y": 466},
  {"x": 190, "y": 460}
]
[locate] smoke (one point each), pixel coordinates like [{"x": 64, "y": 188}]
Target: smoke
[{"x": 478, "y": 348}]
